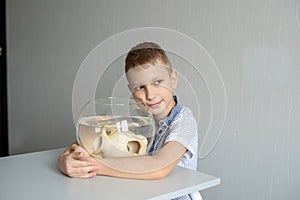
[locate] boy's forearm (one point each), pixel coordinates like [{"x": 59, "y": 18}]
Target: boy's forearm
[
  {"x": 134, "y": 169},
  {"x": 143, "y": 167}
]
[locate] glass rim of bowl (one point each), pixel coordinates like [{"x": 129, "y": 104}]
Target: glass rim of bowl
[{"x": 115, "y": 101}]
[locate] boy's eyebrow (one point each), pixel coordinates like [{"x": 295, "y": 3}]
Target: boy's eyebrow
[{"x": 147, "y": 82}]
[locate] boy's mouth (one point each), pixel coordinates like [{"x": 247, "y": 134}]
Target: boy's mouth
[{"x": 154, "y": 105}]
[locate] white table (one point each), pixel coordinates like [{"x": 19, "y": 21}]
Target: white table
[{"x": 35, "y": 176}]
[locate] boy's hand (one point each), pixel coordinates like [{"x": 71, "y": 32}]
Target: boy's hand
[{"x": 74, "y": 163}]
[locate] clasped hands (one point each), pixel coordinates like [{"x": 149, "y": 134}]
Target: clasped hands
[{"x": 75, "y": 162}]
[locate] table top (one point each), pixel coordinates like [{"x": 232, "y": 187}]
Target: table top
[{"x": 35, "y": 176}]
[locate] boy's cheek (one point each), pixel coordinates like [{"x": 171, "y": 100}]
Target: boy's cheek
[
  {"x": 141, "y": 103},
  {"x": 167, "y": 86},
  {"x": 138, "y": 95}
]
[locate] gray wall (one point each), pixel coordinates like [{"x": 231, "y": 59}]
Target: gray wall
[{"x": 255, "y": 45}]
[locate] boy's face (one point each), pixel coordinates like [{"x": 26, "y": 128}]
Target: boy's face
[{"x": 154, "y": 85}]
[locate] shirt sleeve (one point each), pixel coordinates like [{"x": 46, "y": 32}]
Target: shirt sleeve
[{"x": 184, "y": 129}]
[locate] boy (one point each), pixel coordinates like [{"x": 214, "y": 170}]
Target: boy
[{"x": 152, "y": 80}]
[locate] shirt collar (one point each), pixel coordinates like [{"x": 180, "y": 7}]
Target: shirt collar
[{"x": 173, "y": 113}]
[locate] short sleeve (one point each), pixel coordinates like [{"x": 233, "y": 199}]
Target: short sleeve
[{"x": 184, "y": 130}]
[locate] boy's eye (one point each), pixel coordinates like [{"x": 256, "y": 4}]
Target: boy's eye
[
  {"x": 137, "y": 88},
  {"x": 157, "y": 82}
]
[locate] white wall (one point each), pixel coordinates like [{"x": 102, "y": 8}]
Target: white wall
[{"x": 255, "y": 45}]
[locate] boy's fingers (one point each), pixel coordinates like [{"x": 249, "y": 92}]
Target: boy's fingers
[
  {"x": 74, "y": 146},
  {"x": 78, "y": 148},
  {"x": 79, "y": 163},
  {"x": 77, "y": 154},
  {"x": 88, "y": 175},
  {"x": 84, "y": 172},
  {"x": 81, "y": 156}
]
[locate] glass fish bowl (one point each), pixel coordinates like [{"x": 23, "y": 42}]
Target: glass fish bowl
[{"x": 115, "y": 127}]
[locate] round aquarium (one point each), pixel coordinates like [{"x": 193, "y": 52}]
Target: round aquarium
[{"x": 115, "y": 127}]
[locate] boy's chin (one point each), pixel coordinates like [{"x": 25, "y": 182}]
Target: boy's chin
[{"x": 157, "y": 111}]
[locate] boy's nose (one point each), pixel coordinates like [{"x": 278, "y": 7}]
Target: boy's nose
[{"x": 150, "y": 92}]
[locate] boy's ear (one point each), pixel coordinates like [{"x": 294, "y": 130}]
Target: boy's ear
[{"x": 174, "y": 79}]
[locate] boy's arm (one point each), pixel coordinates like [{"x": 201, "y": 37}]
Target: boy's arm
[{"x": 142, "y": 167}]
